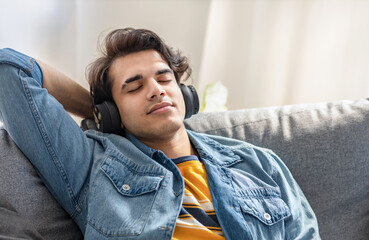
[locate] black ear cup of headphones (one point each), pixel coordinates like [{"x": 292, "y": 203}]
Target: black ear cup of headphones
[
  {"x": 107, "y": 116},
  {"x": 191, "y": 99}
]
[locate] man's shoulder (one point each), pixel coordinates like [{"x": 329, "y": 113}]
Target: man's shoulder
[
  {"x": 231, "y": 144},
  {"x": 234, "y": 153}
]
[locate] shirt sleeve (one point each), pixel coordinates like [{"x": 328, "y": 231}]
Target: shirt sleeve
[{"x": 42, "y": 129}]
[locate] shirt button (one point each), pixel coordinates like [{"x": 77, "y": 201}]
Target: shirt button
[
  {"x": 126, "y": 187},
  {"x": 267, "y": 216}
]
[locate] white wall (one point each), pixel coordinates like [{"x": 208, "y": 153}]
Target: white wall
[
  {"x": 65, "y": 33},
  {"x": 42, "y": 28},
  {"x": 181, "y": 23},
  {"x": 266, "y": 52},
  {"x": 287, "y": 52}
]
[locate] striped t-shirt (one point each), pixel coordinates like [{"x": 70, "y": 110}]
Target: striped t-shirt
[{"x": 197, "y": 219}]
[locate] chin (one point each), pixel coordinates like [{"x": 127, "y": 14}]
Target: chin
[{"x": 167, "y": 128}]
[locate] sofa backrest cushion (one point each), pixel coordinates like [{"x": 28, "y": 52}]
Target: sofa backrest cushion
[
  {"x": 325, "y": 146},
  {"x": 23, "y": 189}
]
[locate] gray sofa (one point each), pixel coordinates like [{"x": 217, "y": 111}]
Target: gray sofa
[{"x": 325, "y": 145}]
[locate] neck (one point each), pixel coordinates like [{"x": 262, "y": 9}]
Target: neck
[{"x": 173, "y": 146}]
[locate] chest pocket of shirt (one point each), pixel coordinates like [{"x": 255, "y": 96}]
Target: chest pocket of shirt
[
  {"x": 260, "y": 203},
  {"x": 122, "y": 197},
  {"x": 264, "y": 214}
]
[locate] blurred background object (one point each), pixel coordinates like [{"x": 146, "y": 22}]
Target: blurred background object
[
  {"x": 265, "y": 52},
  {"x": 214, "y": 98}
]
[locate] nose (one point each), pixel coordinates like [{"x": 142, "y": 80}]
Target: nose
[{"x": 155, "y": 90}]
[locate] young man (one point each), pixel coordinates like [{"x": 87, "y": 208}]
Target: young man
[{"x": 153, "y": 179}]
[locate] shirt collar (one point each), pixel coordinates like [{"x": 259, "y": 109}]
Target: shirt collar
[
  {"x": 140, "y": 145},
  {"x": 210, "y": 149},
  {"x": 207, "y": 148}
]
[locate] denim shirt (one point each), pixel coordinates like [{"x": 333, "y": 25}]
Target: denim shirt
[{"x": 116, "y": 187}]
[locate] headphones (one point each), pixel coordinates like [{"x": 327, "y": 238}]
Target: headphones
[{"x": 107, "y": 116}]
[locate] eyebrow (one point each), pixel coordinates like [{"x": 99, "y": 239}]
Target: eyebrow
[
  {"x": 139, "y": 76},
  {"x": 162, "y": 71}
]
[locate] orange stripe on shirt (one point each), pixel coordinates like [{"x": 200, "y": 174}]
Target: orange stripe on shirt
[{"x": 196, "y": 200}]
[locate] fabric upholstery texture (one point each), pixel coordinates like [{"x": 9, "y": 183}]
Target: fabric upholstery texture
[
  {"x": 13, "y": 225},
  {"x": 324, "y": 145},
  {"x": 23, "y": 189}
]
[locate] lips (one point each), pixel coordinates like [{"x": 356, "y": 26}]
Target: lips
[{"x": 159, "y": 106}]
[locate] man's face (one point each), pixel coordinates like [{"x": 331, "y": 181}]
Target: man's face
[{"x": 147, "y": 95}]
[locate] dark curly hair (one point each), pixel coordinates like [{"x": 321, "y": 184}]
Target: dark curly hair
[{"x": 121, "y": 42}]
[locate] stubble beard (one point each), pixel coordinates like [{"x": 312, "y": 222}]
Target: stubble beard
[{"x": 162, "y": 131}]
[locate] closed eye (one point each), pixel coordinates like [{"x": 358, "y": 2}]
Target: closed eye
[
  {"x": 133, "y": 90},
  {"x": 164, "y": 81}
]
